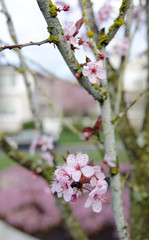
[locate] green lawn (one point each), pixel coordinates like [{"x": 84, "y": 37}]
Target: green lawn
[{"x": 69, "y": 142}]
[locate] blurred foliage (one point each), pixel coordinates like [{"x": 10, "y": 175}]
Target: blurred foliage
[{"x": 28, "y": 125}]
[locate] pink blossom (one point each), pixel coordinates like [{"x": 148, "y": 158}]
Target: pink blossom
[
  {"x": 98, "y": 173},
  {"x": 105, "y": 12},
  {"x": 78, "y": 177},
  {"x": 48, "y": 157},
  {"x": 46, "y": 143},
  {"x": 63, "y": 189},
  {"x": 76, "y": 165},
  {"x": 61, "y": 174},
  {"x": 85, "y": 43},
  {"x": 96, "y": 198},
  {"x": 94, "y": 72},
  {"x": 121, "y": 47},
  {"x": 107, "y": 160},
  {"x": 33, "y": 145},
  {"x": 69, "y": 30}
]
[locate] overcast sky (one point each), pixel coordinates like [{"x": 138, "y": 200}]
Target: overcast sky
[{"x": 31, "y": 26}]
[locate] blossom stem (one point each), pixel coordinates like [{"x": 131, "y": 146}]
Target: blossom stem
[{"x": 87, "y": 189}]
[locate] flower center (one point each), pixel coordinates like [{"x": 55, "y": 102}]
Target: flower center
[
  {"x": 68, "y": 37},
  {"x": 94, "y": 70}
]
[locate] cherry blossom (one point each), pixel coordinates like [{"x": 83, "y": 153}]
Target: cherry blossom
[
  {"x": 33, "y": 145},
  {"x": 107, "y": 160},
  {"x": 63, "y": 189},
  {"x": 94, "y": 72},
  {"x": 121, "y": 47},
  {"x": 76, "y": 165},
  {"x": 105, "y": 12},
  {"x": 96, "y": 198},
  {"x": 69, "y": 30},
  {"x": 48, "y": 157},
  {"x": 46, "y": 143},
  {"x": 61, "y": 174},
  {"x": 79, "y": 176},
  {"x": 84, "y": 42}
]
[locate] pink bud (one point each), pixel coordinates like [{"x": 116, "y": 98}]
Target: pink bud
[
  {"x": 78, "y": 75},
  {"x": 102, "y": 56},
  {"x": 74, "y": 198}
]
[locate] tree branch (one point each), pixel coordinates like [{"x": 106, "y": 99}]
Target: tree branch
[
  {"x": 56, "y": 31},
  {"x": 47, "y": 173},
  {"x": 115, "y": 179},
  {"x": 20, "y": 46},
  {"x": 110, "y": 147},
  {"x": 89, "y": 18},
  {"x": 119, "y": 21},
  {"x": 120, "y": 115},
  {"x": 22, "y": 67}
]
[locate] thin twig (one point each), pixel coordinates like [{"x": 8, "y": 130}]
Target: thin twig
[
  {"x": 20, "y": 46},
  {"x": 120, "y": 115}
]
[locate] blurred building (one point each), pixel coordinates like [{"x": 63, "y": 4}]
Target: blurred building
[
  {"x": 68, "y": 99},
  {"x": 134, "y": 82},
  {"x": 14, "y": 105}
]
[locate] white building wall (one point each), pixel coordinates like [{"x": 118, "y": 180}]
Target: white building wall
[{"x": 14, "y": 106}]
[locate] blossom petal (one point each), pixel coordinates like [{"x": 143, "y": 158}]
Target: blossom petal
[
  {"x": 71, "y": 160},
  {"x": 88, "y": 202},
  {"x": 76, "y": 175},
  {"x": 97, "y": 206},
  {"x": 82, "y": 159},
  {"x": 93, "y": 181},
  {"x": 86, "y": 72},
  {"x": 101, "y": 74},
  {"x": 111, "y": 164},
  {"x": 88, "y": 171},
  {"x": 92, "y": 78},
  {"x": 67, "y": 194}
]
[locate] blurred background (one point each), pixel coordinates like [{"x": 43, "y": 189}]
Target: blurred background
[{"x": 25, "y": 199}]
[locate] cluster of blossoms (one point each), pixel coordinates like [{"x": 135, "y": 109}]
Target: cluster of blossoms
[
  {"x": 93, "y": 70},
  {"x": 45, "y": 144},
  {"x": 70, "y": 32},
  {"x": 79, "y": 176}
]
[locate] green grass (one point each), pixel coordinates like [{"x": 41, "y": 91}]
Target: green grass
[
  {"x": 71, "y": 142},
  {"x": 68, "y": 137},
  {"x": 5, "y": 162}
]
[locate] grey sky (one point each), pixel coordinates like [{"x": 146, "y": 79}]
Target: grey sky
[{"x": 30, "y": 26}]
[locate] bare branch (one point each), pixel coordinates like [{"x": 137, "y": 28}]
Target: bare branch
[
  {"x": 24, "y": 160},
  {"x": 91, "y": 26},
  {"x": 20, "y": 46},
  {"x": 56, "y": 31},
  {"x": 119, "y": 21},
  {"x": 120, "y": 115},
  {"x": 22, "y": 67},
  {"x": 47, "y": 173}
]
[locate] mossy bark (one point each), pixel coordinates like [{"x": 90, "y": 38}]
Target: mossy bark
[
  {"x": 139, "y": 183},
  {"x": 139, "y": 221}
]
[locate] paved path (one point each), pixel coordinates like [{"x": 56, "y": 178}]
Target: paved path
[{"x": 9, "y": 233}]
